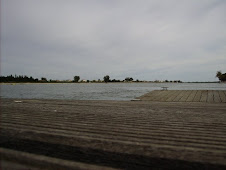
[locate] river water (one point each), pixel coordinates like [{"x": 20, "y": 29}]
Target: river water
[{"x": 96, "y": 91}]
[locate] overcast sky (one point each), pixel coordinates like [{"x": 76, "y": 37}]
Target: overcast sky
[{"x": 144, "y": 39}]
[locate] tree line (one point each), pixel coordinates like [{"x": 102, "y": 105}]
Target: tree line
[
  {"x": 220, "y": 76},
  {"x": 19, "y": 78},
  {"x": 76, "y": 79},
  {"x": 106, "y": 79},
  {"x": 127, "y": 79},
  {"x": 23, "y": 79}
]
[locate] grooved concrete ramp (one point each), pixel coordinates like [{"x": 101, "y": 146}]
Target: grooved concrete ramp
[
  {"x": 210, "y": 96},
  {"x": 65, "y": 134}
]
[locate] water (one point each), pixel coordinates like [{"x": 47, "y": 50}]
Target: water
[{"x": 96, "y": 91}]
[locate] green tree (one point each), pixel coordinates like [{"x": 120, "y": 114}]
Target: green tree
[
  {"x": 128, "y": 79},
  {"x": 220, "y": 76},
  {"x": 106, "y": 78},
  {"x": 76, "y": 78},
  {"x": 44, "y": 79}
]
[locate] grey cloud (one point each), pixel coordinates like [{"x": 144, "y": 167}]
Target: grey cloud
[{"x": 147, "y": 39}]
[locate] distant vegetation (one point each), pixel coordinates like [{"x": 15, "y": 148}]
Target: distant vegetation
[
  {"x": 128, "y": 79},
  {"x": 106, "y": 78},
  {"x": 16, "y": 78},
  {"x": 220, "y": 76},
  {"x": 76, "y": 79}
]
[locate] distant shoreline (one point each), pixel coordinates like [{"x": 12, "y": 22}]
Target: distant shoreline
[{"x": 12, "y": 83}]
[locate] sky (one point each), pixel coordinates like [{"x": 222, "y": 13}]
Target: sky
[{"x": 144, "y": 39}]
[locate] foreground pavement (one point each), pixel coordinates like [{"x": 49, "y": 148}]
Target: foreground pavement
[{"x": 67, "y": 134}]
